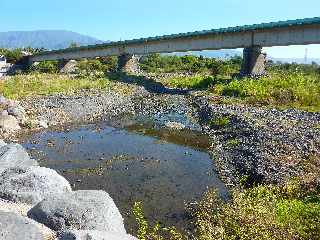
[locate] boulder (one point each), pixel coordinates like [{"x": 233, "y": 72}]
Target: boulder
[
  {"x": 18, "y": 112},
  {"x": 3, "y": 100},
  {"x": 79, "y": 210},
  {"x": 9, "y": 123},
  {"x": 2, "y": 143},
  {"x": 31, "y": 185},
  {"x": 4, "y": 113},
  {"x": 15, "y": 227},
  {"x": 94, "y": 235},
  {"x": 14, "y": 155}
]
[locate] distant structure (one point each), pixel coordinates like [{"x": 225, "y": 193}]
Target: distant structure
[
  {"x": 3, "y": 65},
  {"x": 306, "y": 56}
]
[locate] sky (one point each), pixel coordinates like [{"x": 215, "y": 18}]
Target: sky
[{"x": 127, "y": 19}]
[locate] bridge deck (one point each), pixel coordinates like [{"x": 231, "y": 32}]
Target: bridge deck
[{"x": 301, "y": 31}]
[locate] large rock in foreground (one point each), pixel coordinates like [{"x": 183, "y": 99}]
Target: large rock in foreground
[
  {"x": 79, "y": 210},
  {"x": 94, "y": 235},
  {"x": 31, "y": 185},
  {"x": 9, "y": 123},
  {"x": 15, "y": 227},
  {"x": 14, "y": 155}
]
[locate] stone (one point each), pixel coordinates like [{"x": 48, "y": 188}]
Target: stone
[
  {"x": 175, "y": 125},
  {"x": 14, "y": 155},
  {"x": 2, "y": 143},
  {"x": 43, "y": 124},
  {"x": 18, "y": 112},
  {"x": 3, "y": 100},
  {"x": 15, "y": 227},
  {"x": 94, "y": 235},
  {"x": 31, "y": 185},
  {"x": 4, "y": 113},
  {"x": 79, "y": 210},
  {"x": 9, "y": 123}
]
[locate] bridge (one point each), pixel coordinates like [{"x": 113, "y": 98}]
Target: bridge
[{"x": 252, "y": 38}]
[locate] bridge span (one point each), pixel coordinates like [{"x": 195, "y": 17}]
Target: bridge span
[{"x": 250, "y": 37}]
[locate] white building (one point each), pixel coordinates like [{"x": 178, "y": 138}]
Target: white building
[{"x": 3, "y": 65}]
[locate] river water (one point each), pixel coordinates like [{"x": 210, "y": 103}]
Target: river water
[{"x": 161, "y": 167}]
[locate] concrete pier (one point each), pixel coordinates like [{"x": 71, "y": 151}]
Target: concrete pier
[
  {"x": 128, "y": 63},
  {"x": 253, "y": 62}
]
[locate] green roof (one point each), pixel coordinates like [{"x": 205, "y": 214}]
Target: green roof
[{"x": 280, "y": 24}]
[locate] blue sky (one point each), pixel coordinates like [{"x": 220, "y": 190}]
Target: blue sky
[{"x": 127, "y": 19}]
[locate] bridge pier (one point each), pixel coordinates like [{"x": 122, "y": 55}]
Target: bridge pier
[
  {"x": 253, "y": 62},
  {"x": 128, "y": 63},
  {"x": 67, "y": 66}
]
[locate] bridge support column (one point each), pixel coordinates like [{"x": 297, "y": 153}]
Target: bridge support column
[
  {"x": 128, "y": 63},
  {"x": 67, "y": 66},
  {"x": 253, "y": 62}
]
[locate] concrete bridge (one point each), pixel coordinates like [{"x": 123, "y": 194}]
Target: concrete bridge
[{"x": 250, "y": 37}]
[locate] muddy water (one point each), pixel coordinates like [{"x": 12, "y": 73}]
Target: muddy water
[{"x": 163, "y": 168}]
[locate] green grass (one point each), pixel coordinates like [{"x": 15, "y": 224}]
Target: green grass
[
  {"x": 280, "y": 89},
  {"x": 193, "y": 82},
  {"x": 20, "y": 86},
  {"x": 262, "y": 212}
]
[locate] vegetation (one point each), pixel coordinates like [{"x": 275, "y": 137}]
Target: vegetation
[
  {"x": 16, "y": 55},
  {"x": 291, "y": 211},
  {"x": 283, "y": 89},
  {"x": 20, "y": 86},
  {"x": 158, "y": 63}
]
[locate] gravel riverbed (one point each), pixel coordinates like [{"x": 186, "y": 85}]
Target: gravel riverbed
[{"x": 259, "y": 144}]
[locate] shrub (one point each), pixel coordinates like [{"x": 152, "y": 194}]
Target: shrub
[
  {"x": 45, "y": 67},
  {"x": 293, "y": 89}
]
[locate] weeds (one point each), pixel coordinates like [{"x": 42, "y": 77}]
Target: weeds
[{"x": 20, "y": 86}]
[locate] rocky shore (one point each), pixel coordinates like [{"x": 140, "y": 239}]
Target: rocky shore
[
  {"x": 249, "y": 145},
  {"x": 37, "y": 203},
  {"x": 255, "y": 144}
]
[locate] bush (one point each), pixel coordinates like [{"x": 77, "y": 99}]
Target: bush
[
  {"x": 161, "y": 63},
  {"x": 263, "y": 212},
  {"x": 91, "y": 68},
  {"x": 45, "y": 67},
  {"x": 293, "y": 89}
]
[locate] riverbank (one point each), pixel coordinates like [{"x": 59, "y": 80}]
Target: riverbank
[{"x": 249, "y": 145}]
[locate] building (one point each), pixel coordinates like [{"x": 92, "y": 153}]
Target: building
[{"x": 3, "y": 66}]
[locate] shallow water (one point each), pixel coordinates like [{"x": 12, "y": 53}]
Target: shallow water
[{"x": 163, "y": 168}]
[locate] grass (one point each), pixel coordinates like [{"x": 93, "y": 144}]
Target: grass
[
  {"x": 290, "y": 211},
  {"x": 219, "y": 121},
  {"x": 193, "y": 82},
  {"x": 20, "y": 86},
  {"x": 280, "y": 89}
]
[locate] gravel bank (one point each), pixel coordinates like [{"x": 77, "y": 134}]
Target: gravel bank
[{"x": 261, "y": 145}]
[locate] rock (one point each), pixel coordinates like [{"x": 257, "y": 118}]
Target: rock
[
  {"x": 18, "y": 112},
  {"x": 175, "y": 125},
  {"x": 14, "y": 155},
  {"x": 79, "y": 210},
  {"x": 94, "y": 235},
  {"x": 4, "y": 113},
  {"x": 2, "y": 143},
  {"x": 43, "y": 124},
  {"x": 15, "y": 227},
  {"x": 31, "y": 185},
  {"x": 9, "y": 123},
  {"x": 3, "y": 100}
]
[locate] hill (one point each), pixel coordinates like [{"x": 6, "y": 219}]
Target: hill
[{"x": 49, "y": 39}]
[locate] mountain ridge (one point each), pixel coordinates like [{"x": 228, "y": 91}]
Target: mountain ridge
[{"x": 48, "y": 39}]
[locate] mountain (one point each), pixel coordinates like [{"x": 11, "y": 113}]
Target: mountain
[{"x": 49, "y": 39}]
